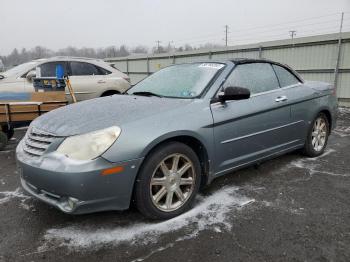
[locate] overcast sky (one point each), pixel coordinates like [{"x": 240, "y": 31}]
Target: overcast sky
[{"x": 89, "y": 23}]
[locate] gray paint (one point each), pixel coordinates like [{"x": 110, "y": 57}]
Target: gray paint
[{"x": 234, "y": 134}]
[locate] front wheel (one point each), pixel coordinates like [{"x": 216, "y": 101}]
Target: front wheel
[
  {"x": 168, "y": 181},
  {"x": 317, "y": 136}
]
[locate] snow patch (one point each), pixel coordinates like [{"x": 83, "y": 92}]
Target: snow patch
[
  {"x": 8, "y": 195},
  {"x": 313, "y": 166},
  {"x": 160, "y": 249},
  {"x": 342, "y": 131},
  {"x": 344, "y": 110},
  {"x": 209, "y": 214}
]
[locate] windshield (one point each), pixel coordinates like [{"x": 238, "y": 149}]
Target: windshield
[
  {"x": 20, "y": 69},
  {"x": 179, "y": 81}
]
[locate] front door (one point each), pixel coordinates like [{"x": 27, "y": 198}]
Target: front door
[{"x": 254, "y": 128}]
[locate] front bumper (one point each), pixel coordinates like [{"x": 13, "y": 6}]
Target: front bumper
[{"x": 77, "y": 187}]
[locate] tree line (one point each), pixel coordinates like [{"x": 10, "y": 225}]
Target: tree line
[{"x": 17, "y": 57}]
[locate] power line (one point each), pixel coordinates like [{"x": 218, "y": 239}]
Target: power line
[
  {"x": 289, "y": 22},
  {"x": 275, "y": 28},
  {"x": 214, "y": 38},
  {"x": 279, "y": 25},
  {"x": 283, "y": 28}
]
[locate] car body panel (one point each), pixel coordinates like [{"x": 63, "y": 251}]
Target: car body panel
[
  {"x": 247, "y": 125},
  {"x": 53, "y": 178},
  {"x": 234, "y": 133}
]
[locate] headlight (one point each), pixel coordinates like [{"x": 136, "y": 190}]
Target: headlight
[{"x": 91, "y": 145}]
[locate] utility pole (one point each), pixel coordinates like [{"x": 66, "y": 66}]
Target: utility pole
[
  {"x": 226, "y": 34},
  {"x": 292, "y": 33},
  {"x": 336, "y": 70},
  {"x": 158, "y": 45}
]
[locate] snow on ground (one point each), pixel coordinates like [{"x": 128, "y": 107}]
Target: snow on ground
[
  {"x": 344, "y": 110},
  {"x": 313, "y": 165},
  {"x": 6, "y": 196},
  {"x": 209, "y": 214}
]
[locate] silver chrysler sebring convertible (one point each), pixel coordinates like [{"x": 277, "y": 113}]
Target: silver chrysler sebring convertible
[{"x": 172, "y": 133}]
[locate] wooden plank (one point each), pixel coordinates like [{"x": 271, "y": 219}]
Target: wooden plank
[
  {"x": 26, "y": 112},
  {"x": 48, "y": 96}
]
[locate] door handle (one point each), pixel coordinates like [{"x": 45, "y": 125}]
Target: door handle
[
  {"x": 101, "y": 81},
  {"x": 281, "y": 99}
]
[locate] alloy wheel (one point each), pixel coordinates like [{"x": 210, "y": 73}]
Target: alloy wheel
[
  {"x": 172, "y": 182},
  {"x": 319, "y": 134}
]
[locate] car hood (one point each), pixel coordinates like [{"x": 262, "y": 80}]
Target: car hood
[{"x": 99, "y": 113}]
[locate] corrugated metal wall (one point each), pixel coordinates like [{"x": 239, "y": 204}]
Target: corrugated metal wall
[{"x": 315, "y": 58}]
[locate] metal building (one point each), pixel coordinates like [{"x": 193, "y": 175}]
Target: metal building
[{"x": 320, "y": 58}]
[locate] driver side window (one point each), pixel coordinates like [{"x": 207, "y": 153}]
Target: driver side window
[{"x": 257, "y": 77}]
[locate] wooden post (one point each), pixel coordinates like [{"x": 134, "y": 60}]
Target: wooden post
[{"x": 70, "y": 90}]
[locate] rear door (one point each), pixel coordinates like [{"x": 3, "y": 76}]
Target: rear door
[
  {"x": 251, "y": 129},
  {"x": 87, "y": 80}
]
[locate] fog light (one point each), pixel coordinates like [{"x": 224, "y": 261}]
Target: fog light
[
  {"x": 69, "y": 204},
  {"x": 72, "y": 202}
]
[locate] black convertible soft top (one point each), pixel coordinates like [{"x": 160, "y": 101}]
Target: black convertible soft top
[{"x": 263, "y": 60}]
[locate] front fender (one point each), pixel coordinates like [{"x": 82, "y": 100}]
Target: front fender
[{"x": 174, "y": 135}]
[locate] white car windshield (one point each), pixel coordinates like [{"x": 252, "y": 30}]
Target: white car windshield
[
  {"x": 20, "y": 69},
  {"x": 178, "y": 81}
]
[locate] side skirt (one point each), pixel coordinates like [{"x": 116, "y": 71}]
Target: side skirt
[{"x": 250, "y": 163}]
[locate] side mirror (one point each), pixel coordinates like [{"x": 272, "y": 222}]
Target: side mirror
[
  {"x": 31, "y": 75},
  {"x": 234, "y": 93},
  {"x": 1, "y": 77}
]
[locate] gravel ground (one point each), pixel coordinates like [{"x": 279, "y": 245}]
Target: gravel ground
[{"x": 288, "y": 209}]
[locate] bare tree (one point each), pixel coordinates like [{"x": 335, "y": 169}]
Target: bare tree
[{"x": 140, "y": 49}]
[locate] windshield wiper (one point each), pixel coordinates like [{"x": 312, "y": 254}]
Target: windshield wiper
[{"x": 145, "y": 93}]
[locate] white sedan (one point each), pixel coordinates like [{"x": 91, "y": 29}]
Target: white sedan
[{"x": 90, "y": 78}]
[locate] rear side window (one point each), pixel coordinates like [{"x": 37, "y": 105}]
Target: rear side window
[
  {"x": 49, "y": 69},
  {"x": 257, "y": 77},
  {"x": 83, "y": 69},
  {"x": 285, "y": 77},
  {"x": 103, "y": 71}
]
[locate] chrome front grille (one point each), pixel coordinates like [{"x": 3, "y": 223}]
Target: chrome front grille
[{"x": 36, "y": 142}]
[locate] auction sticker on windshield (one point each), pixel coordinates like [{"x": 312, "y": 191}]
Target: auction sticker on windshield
[{"x": 212, "y": 65}]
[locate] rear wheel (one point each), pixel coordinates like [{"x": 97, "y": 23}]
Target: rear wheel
[
  {"x": 3, "y": 140},
  {"x": 168, "y": 181},
  {"x": 317, "y": 137},
  {"x": 110, "y": 93},
  {"x": 8, "y": 131}
]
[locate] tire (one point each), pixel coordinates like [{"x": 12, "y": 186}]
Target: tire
[
  {"x": 312, "y": 149},
  {"x": 110, "y": 93},
  {"x": 9, "y": 132},
  {"x": 176, "y": 192},
  {"x": 3, "y": 140}
]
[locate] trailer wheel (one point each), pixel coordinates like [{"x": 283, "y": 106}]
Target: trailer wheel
[
  {"x": 8, "y": 131},
  {"x": 3, "y": 140}
]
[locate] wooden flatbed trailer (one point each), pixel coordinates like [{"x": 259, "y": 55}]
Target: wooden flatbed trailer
[{"x": 18, "y": 113}]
